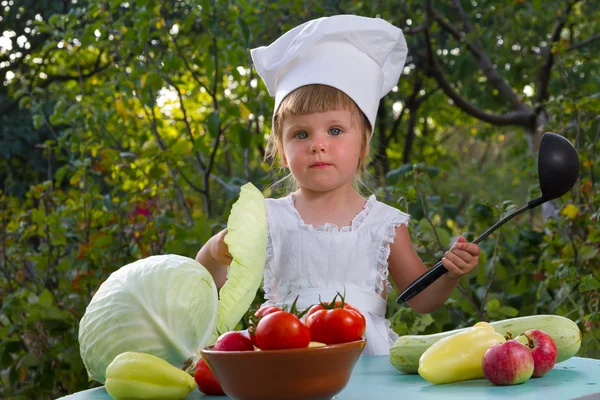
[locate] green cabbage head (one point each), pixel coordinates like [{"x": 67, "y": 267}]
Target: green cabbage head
[{"x": 161, "y": 305}]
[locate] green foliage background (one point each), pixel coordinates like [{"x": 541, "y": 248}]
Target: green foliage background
[{"x": 127, "y": 129}]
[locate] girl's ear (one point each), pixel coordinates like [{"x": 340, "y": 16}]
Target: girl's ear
[
  {"x": 281, "y": 151},
  {"x": 365, "y": 147},
  {"x": 284, "y": 160}
]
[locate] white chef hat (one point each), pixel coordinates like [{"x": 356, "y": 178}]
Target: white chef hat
[{"x": 363, "y": 57}]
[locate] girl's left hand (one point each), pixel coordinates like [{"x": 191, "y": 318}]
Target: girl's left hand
[{"x": 462, "y": 258}]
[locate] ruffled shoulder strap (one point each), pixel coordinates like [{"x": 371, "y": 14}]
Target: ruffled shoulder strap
[{"x": 391, "y": 218}]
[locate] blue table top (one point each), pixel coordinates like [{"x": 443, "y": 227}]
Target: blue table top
[{"x": 375, "y": 378}]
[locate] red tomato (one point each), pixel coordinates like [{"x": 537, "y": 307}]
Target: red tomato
[
  {"x": 206, "y": 380},
  {"x": 281, "y": 330},
  {"x": 233, "y": 341},
  {"x": 266, "y": 310},
  {"x": 335, "y": 325},
  {"x": 326, "y": 305}
]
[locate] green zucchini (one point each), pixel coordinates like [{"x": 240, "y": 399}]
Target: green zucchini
[{"x": 406, "y": 351}]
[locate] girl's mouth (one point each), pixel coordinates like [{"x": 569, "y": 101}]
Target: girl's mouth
[{"x": 320, "y": 165}]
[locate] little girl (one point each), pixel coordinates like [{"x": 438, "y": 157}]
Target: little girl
[{"x": 327, "y": 76}]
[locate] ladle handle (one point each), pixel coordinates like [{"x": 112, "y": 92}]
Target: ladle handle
[{"x": 422, "y": 282}]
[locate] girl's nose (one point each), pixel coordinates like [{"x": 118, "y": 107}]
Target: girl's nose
[{"x": 317, "y": 145}]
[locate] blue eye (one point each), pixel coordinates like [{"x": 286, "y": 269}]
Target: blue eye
[
  {"x": 302, "y": 135},
  {"x": 335, "y": 131}
]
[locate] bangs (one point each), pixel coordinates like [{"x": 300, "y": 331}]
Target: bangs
[{"x": 316, "y": 99}]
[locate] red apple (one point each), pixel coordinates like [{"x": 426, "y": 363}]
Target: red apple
[
  {"x": 508, "y": 363},
  {"x": 233, "y": 341},
  {"x": 543, "y": 350}
]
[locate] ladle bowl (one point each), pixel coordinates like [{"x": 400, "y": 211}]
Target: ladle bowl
[{"x": 558, "y": 170}]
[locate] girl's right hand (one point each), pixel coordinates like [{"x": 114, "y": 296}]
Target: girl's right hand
[{"x": 219, "y": 249}]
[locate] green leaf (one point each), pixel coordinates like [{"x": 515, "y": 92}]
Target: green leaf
[
  {"x": 508, "y": 311},
  {"x": 432, "y": 171},
  {"x": 172, "y": 62},
  {"x": 245, "y": 137},
  {"x": 153, "y": 81},
  {"x": 426, "y": 230},
  {"x": 493, "y": 305},
  {"x": 49, "y": 45},
  {"x": 72, "y": 112},
  {"x": 481, "y": 277},
  {"x": 213, "y": 122},
  {"x": 37, "y": 216},
  {"x": 38, "y": 121},
  {"x": 23, "y": 102},
  {"x": 588, "y": 283},
  {"x": 156, "y": 172},
  {"x": 28, "y": 360},
  {"x": 19, "y": 93},
  {"x": 422, "y": 322},
  {"x": 55, "y": 19},
  {"x": 179, "y": 148},
  {"x": 444, "y": 236},
  {"x": 45, "y": 298},
  {"x": 395, "y": 175},
  {"x": 54, "y": 313},
  {"x": 588, "y": 252},
  {"x": 4, "y": 331},
  {"x": 60, "y": 174},
  {"x": 102, "y": 241}
]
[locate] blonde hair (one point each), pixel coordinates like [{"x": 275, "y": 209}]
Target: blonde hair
[{"x": 317, "y": 98}]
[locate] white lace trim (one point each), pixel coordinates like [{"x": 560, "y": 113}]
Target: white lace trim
[
  {"x": 392, "y": 336},
  {"x": 330, "y": 227},
  {"x": 269, "y": 280},
  {"x": 384, "y": 251}
]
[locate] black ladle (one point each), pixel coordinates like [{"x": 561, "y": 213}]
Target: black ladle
[{"x": 558, "y": 170}]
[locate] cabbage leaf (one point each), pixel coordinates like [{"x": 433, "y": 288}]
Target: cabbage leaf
[{"x": 247, "y": 242}]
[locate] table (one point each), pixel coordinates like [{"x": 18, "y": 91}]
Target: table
[{"x": 375, "y": 378}]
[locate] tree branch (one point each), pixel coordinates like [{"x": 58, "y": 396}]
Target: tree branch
[
  {"x": 8, "y": 107},
  {"x": 189, "y": 68},
  {"x": 161, "y": 144},
  {"x": 583, "y": 43},
  {"x": 216, "y": 81},
  {"x": 415, "y": 31},
  {"x": 181, "y": 104},
  {"x": 465, "y": 19},
  {"x": 211, "y": 162},
  {"x": 484, "y": 62},
  {"x": 492, "y": 274},
  {"x": 422, "y": 99},
  {"x": 394, "y": 130},
  {"x": 189, "y": 182},
  {"x": 410, "y": 132},
  {"x": 63, "y": 78},
  {"x": 522, "y": 117},
  {"x": 543, "y": 78}
]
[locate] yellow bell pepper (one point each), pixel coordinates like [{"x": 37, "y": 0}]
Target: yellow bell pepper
[
  {"x": 458, "y": 357},
  {"x": 141, "y": 376}
]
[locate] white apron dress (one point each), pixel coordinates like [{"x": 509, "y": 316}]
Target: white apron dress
[{"x": 308, "y": 261}]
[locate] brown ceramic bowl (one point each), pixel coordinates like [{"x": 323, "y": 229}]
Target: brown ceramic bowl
[{"x": 313, "y": 373}]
